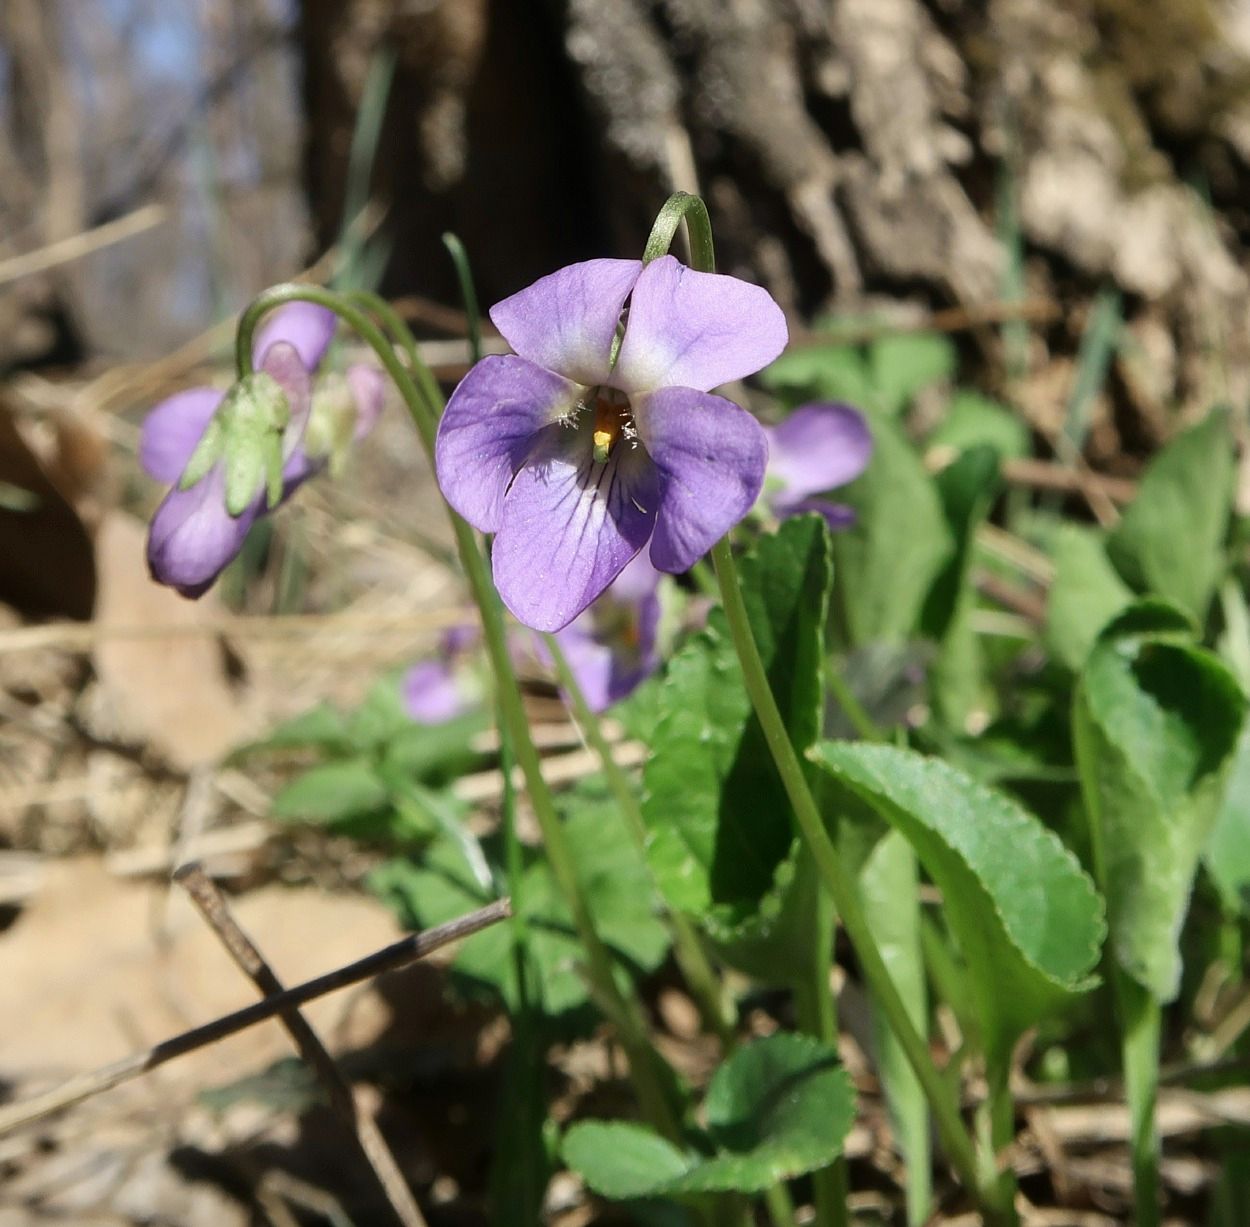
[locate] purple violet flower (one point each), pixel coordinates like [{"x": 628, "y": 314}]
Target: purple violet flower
[
  {"x": 577, "y": 453},
  {"x": 442, "y": 688},
  {"x": 611, "y": 646},
  {"x": 817, "y": 448},
  {"x": 193, "y": 536}
]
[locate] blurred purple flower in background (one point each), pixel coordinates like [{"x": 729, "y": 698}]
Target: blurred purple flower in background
[
  {"x": 817, "y": 448},
  {"x": 442, "y": 688},
  {"x": 612, "y": 646},
  {"x": 575, "y": 460},
  {"x": 193, "y": 535}
]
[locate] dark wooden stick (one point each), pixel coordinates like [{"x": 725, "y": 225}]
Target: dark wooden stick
[
  {"x": 212, "y": 904},
  {"x": 406, "y": 950}
]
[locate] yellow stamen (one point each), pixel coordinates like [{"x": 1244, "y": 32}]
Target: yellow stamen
[{"x": 607, "y": 428}]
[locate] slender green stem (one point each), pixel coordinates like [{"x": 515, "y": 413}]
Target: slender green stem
[
  {"x": 688, "y": 949},
  {"x": 652, "y": 1080},
  {"x": 679, "y": 207},
  {"x": 395, "y": 325},
  {"x": 468, "y": 294},
  {"x": 816, "y": 1015},
  {"x": 780, "y": 1207},
  {"x": 841, "y": 885},
  {"x": 1140, "y": 1025}
]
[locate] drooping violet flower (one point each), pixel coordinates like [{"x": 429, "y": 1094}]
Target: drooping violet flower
[
  {"x": 817, "y": 448},
  {"x": 576, "y": 460},
  {"x": 203, "y": 521},
  {"x": 441, "y": 688},
  {"x": 612, "y": 646}
]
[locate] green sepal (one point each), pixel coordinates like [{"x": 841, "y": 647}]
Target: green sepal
[
  {"x": 253, "y": 417},
  {"x": 207, "y": 452}
]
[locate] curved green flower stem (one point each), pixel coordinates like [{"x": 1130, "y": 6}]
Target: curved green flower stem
[
  {"x": 652, "y": 1081},
  {"x": 841, "y": 886},
  {"x": 842, "y": 889},
  {"x": 689, "y": 951},
  {"x": 417, "y": 367},
  {"x": 683, "y": 207}
]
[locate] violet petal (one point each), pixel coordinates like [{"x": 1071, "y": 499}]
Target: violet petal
[
  {"x": 817, "y": 448},
  {"x": 837, "y": 515},
  {"x": 432, "y": 693},
  {"x": 172, "y": 430},
  {"x": 695, "y": 330},
  {"x": 488, "y": 428},
  {"x": 711, "y": 457},
  {"x": 570, "y": 525},
  {"x": 284, "y": 365},
  {"x": 367, "y": 385},
  {"x": 192, "y": 537},
  {"x": 612, "y": 647},
  {"x": 636, "y": 583},
  {"x": 567, "y": 320},
  {"x": 307, "y": 326}
]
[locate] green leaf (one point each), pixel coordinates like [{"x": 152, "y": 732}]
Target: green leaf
[
  {"x": 1085, "y": 595},
  {"x": 967, "y": 487},
  {"x": 820, "y": 372},
  {"x": 890, "y": 892},
  {"x": 1026, "y": 916},
  {"x": 1156, "y": 724},
  {"x": 887, "y": 561},
  {"x": 902, "y": 365},
  {"x": 321, "y": 728},
  {"x": 207, "y": 452},
  {"x": 720, "y": 833},
  {"x": 973, "y": 420},
  {"x": 333, "y": 793},
  {"x": 617, "y": 887},
  {"x": 1227, "y": 854},
  {"x": 381, "y": 717},
  {"x": 777, "y": 1109},
  {"x": 622, "y": 1160},
  {"x": 1171, "y": 538},
  {"x": 433, "y": 752}
]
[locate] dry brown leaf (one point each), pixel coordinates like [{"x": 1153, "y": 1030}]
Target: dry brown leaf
[
  {"x": 168, "y": 692},
  {"x": 97, "y": 966}
]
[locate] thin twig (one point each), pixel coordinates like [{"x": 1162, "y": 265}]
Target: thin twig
[
  {"x": 75, "y": 246},
  {"x": 1045, "y": 475},
  {"x": 207, "y": 896},
  {"x": 407, "y": 950}
]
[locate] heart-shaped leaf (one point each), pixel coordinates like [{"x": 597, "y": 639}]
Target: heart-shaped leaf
[
  {"x": 1086, "y": 594},
  {"x": 1171, "y": 538},
  {"x": 720, "y": 838},
  {"x": 888, "y": 559},
  {"x": 1227, "y": 854},
  {"x": 1026, "y": 916},
  {"x": 778, "y": 1108},
  {"x": 1157, "y": 720},
  {"x": 972, "y": 419},
  {"x": 966, "y": 488}
]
